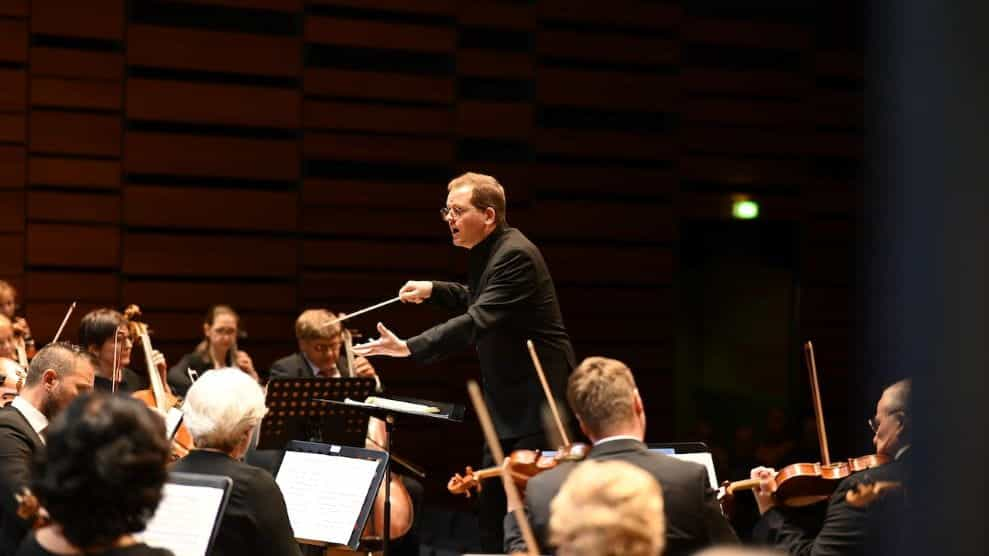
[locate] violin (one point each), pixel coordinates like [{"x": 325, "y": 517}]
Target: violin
[
  {"x": 522, "y": 465},
  {"x": 23, "y": 345},
  {"x": 802, "y": 484},
  {"x": 159, "y": 396}
]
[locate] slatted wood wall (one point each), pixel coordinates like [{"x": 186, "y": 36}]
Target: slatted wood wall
[{"x": 281, "y": 154}]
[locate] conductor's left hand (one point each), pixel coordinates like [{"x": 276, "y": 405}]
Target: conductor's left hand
[{"x": 388, "y": 344}]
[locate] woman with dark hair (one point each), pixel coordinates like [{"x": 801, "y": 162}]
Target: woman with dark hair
[
  {"x": 102, "y": 480},
  {"x": 103, "y": 333},
  {"x": 217, "y": 350}
]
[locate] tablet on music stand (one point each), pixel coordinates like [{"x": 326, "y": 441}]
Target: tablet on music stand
[
  {"x": 696, "y": 452},
  {"x": 189, "y": 515},
  {"x": 329, "y": 490}
]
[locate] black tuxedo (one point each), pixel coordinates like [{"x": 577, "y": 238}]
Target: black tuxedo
[
  {"x": 256, "y": 519},
  {"x": 296, "y": 366},
  {"x": 19, "y": 445},
  {"x": 510, "y": 298},
  {"x": 693, "y": 516},
  {"x": 847, "y": 530}
]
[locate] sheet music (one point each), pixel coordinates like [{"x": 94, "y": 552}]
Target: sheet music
[
  {"x": 324, "y": 494},
  {"x": 184, "y": 520},
  {"x": 705, "y": 459}
]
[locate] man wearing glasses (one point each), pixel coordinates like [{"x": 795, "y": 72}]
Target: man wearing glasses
[
  {"x": 860, "y": 504},
  {"x": 320, "y": 350},
  {"x": 509, "y": 298}
]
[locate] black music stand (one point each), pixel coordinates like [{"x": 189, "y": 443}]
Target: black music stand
[
  {"x": 448, "y": 412},
  {"x": 293, "y": 413}
]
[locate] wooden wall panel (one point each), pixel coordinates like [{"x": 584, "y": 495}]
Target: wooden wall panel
[
  {"x": 75, "y": 173},
  {"x": 211, "y": 51},
  {"x": 197, "y": 155},
  {"x": 207, "y": 255},
  {"x": 157, "y": 207},
  {"x": 79, "y": 64},
  {"x": 75, "y": 133},
  {"x": 73, "y": 246},
  {"x": 13, "y": 87},
  {"x": 12, "y": 167},
  {"x": 96, "y": 19},
  {"x": 213, "y": 104},
  {"x": 281, "y": 154}
]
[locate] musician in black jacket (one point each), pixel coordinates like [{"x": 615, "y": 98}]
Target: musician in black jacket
[
  {"x": 57, "y": 375},
  {"x": 509, "y": 298},
  {"x": 603, "y": 396},
  {"x": 857, "y": 518},
  {"x": 321, "y": 351}
]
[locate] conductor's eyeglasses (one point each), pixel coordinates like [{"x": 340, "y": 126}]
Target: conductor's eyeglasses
[{"x": 457, "y": 212}]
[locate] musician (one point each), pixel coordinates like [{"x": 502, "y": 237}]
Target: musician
[
  {"x": 848, "y": 528},
  {"x": 222, "y": 409},
  {"x": 609, "y": 410},
  {"x": 8, "y": 308},
  {"x": 320, "y": 351},
  {"x": 7, "y": 348},
  {"x": 10, "y": 374},
  {"x": 608, "y": 508},
  {"x": 104, "y": 334},
  {"x": 57, "y": 375},
  {"x": 217, "y": 350},
  {"x": 102, "y": 481},
  {"x": 509, "y": 298}
]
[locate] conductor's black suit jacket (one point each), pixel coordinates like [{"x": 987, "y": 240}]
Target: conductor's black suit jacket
[
  {"x": 510, "y": 298},
  {"x": 19, "y": 445},
  {"x": 693, "y": 516}
]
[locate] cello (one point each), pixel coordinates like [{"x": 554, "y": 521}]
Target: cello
[{"x": 159, "y": 396}]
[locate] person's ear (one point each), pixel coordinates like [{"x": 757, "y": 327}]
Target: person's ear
[
  {"x": 490, "y": 215},
  {"x": 93, "y": 349},
  {"x": 50, "y": 379},
  {"x": 205, "y": 329}
]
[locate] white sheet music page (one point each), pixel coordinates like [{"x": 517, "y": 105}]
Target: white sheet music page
[
  {"x": 184, "y": 520},
  {"x": 324, "y": 494}
]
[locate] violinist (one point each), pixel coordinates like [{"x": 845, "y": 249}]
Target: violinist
[
  {"x": 103, "y": 333},
  {"x": 22, "y": 332},
  {"x": 57, "y": 375},
  {"x": 11, "y": 380},
  {"x": 849, "y": 526},
  {"x": 217, "y": 350},
  {"x": 609, "y": 410}
]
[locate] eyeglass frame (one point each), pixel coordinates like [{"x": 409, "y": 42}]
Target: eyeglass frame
[
  {"x": 457, "y": 212},
  {"x": 874, "y": 425}
]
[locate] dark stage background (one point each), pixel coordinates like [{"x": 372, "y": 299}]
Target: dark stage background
[{"x": 278, "y": 154}]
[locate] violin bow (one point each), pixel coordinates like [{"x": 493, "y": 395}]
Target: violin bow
[
  {"x": 511, "y": 491},
  {"x": 549, "y": 395},
  {"x": 822, "y": 434},
  {"x": 64, "y": 320}
]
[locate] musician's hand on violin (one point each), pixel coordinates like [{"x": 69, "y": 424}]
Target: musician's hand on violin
[
  {"x": 767, "y": 486},
  {"x": 388, "y": 344},
  {"x": 415, "y": 291},
  {"x": 363, "y": 368},
  {"x": 158, "y": 358},
  {"x": 243, "y": 360}
]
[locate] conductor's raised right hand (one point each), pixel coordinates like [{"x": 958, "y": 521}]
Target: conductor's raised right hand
[{"x": 415, "y": 291}]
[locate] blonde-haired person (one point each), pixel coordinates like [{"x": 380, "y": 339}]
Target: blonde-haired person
[
  {"x": 222, "y": 409},
  {"x": 608, "y": 508}
]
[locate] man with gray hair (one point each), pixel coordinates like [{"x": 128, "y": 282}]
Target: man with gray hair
[{"x": 57, "y": 375}]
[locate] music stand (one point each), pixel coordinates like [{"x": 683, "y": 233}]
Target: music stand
[
  {"x": 294, "y": 415},
  {"x": 449, "y": 412}
]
